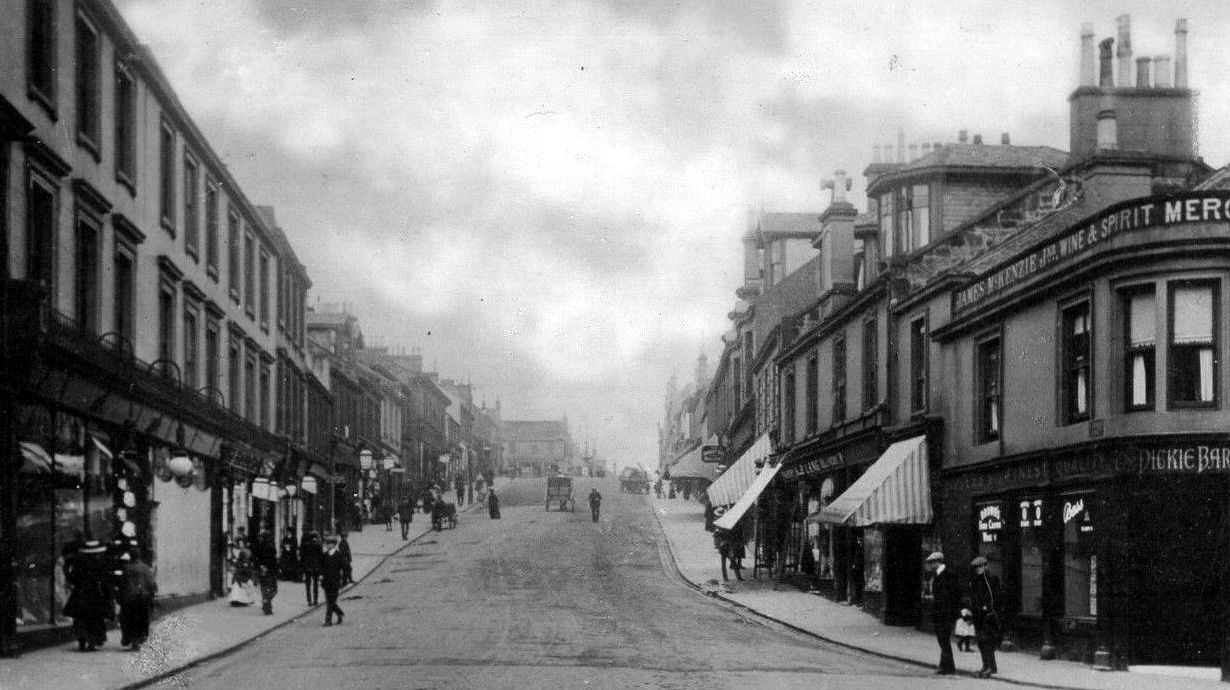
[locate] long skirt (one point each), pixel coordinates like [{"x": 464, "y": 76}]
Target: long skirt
[
  {"x": 91, "y": 630},
  {"x": 134, "y": 622}
]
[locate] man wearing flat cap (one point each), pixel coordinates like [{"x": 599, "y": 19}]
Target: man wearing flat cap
[
  {"x": 333, "y": 569},
  {"x": 945, "y": 609},
  {"x": 986, "y": 600}
]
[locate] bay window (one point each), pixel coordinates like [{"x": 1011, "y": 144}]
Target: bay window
[{"x": 1192, "y": 361}]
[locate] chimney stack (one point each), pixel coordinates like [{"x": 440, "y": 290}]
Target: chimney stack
[
  {"x": 1088, "y": 78},
  {"x": 1143, "y": 72},
  {"x": 963, "y": 137},
  {"x": 1161, "y": 71},
  {"x": 1005, "y": 140},
  {"x": 1180, "y": 54},
  {"x": 900, "y": 146},
  {"x": 1106, "y": 69},
  {"x": 1125, "y": 50},
  {"x": 978, "y": 139}
]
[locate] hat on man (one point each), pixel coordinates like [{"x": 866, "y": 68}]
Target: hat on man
[
  {"x": 978, "y": 562},
  {"x": 935, "y": 556},
  {"x": 93, "y": 546}
]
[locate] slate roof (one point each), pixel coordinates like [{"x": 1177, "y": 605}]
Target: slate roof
[
  {"x": 988, "y": 156},
  {"x": 790, "y": 223}
]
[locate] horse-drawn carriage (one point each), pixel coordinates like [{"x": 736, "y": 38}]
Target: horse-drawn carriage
[
  {"x": 559, "y": 493},
  {"x": 634, "y": 480}
]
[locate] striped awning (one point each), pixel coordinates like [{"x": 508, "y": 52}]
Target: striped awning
[
  {"x": 728, "y": 488},
  {"x": 748, "y": 499},
  {"x": 690, "y": 466},
  {"x": 895, "y": 490}
]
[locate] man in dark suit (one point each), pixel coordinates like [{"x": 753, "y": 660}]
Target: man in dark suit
[
  {"x": 333, "y": 569},
  {"x": 986, "y": 599},
  {"x": 945, "y": 609}
]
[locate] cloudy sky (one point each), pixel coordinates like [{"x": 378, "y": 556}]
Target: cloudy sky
[{"x": 546, "y": 198}]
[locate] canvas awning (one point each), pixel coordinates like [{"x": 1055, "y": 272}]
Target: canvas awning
[
  {"x": 895, "y": 490},
  {"x": 766, "y": 475},
  {"x": 727, "y": 488},
  {"x": 691, "y": 466}
]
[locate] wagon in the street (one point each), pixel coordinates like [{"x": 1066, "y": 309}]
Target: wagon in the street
[
  {"x": 634, "y": 480},
  {"x": 559, "y": 493}
]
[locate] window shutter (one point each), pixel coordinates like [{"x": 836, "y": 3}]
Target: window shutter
[{"x": 1193, "y": 315}]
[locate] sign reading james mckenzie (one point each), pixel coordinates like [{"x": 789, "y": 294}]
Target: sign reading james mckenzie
[{"x": 1137, "y": 214}]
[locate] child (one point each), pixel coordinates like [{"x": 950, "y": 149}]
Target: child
[{"x": 964, "y": 630}]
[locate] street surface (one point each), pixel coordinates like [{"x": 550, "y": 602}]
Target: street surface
[{"x": 543, "y": 600}]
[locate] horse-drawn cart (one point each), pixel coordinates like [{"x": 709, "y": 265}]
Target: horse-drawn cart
[{"x": 559, "y": 493}]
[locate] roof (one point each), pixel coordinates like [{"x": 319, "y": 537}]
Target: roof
[
  {"x": 1218, "y": 180},
  {"x": 789, "y": 224},
  {"x": 533, "y": 430},
  {"x": 988, "y": 156},
  {"x": 326, "y": 318}
]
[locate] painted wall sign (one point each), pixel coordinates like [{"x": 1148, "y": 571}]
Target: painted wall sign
[
  {"x": 823, "y": 463},
  {"x": 1085, "y": 236}
]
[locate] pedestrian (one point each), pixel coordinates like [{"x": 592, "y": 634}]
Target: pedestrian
[
  {"x": 493, "y": 504},
  {"x": 309, "y": 562},
  {"x": 945, "y": 609},
  {"x": 671, "y": 494},
  {"x": 386, "y": 514},
  {"x": 333, "y": 574},
  {"x": 343, "y": 547},
  {"x": 459, "y": 487},
  {"x": 91, "y": 603},
  {"x": 595, "y": 503},
  {"x": 986, "y": 600},
  {"x": 241, "y": 574},
  {"x": 657, "y": 488},
  {"x": 136, "y": 595},
  {"x": 288, "y": 561},
  {"x": 429, "y": 499},
  {"x": 405, "y": 515},
  {"x": 964, "y": 631},
  {"x": 265, "y": 558}
]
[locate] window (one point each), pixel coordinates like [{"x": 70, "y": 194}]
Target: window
[
  {"x": 914, "y": 217},
  {"x": 1075, "y": 352},
  {"x": 1141, "y": 356},
  {"x": 860, "y": 264},
  {"x": 42, "y": 200},
  {"x": 233, "y": 247},
  {"x": 233, "y": 364},
  {"x": 1192, "y": 365},
  {"x": 211, "y": 228},
  {"x": 871, "y": 361},
  {"x": 125, "y": 127},
  {"x": 213, "y": 340},
  {"x": 167, "y": 176},
  {"x": 1033, "y": 555},
  {"x": 811, "y": 390},
  {"x": 41, "y": 52},
  {"x": 918, "y": 365},
  {"x": 191, "y": 230},
  {"x": 263, "y": 288},
  {"x": 789, "y": 394},
  {"x": 86, "y": 273},
  {"x": 1080, "y": 561},
  {"x": 886, "y": 223},
  {"x": 283, "y": 277},
  {"x": 989, "y": 390},
  {"x": 166, "y": 326},
  {"x": 249, "y": 274},
  {"x": 125, "y": 263},
  {"x": 264, "y": 408},
  {"x": 736, "y": 377},
  {"x": 89, "y": 100},
  {"x": 249, "y": 386},
  {"x": 191, "y": 347},
  {"x": 749, "y": 353},
  {"x": 839, "y": 380}
]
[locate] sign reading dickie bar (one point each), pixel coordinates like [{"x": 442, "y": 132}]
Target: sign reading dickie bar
[{"x": 1084, "y": 237}]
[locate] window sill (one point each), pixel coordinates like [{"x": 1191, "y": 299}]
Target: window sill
[
  {"x": 193, "y": 254},
  {"x": 1191, "y": 405},
  {"x": 86, "y": 142},
  {"x": 46, "y": 101},
  {"x": 168, "y": 225},
  {"x": 126, "y": 181}
]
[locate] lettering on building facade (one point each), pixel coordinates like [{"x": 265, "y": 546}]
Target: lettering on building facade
[{"x": 823, "y": 463}]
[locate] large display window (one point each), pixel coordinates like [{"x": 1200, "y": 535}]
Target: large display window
[
  {"x": 1032, "y": 512},
  {"x": 1080, "y": 560},
  {"x": 873, "y": 560}
]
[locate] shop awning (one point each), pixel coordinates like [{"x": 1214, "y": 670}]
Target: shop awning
[
  {"x": 727, "y": 488},
  {"x": 895, "y": 490},
  {"x": 691, "y": 466},
  {"x": 766, "y": 475}
]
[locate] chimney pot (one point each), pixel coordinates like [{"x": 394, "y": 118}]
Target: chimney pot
[
  {"x": 1143, "y": 72},
  {"x": 1087, "y": 76},
  {"x": 1106, "y": 70},
  {"x": 978, "y": 139},
  {"x": 963, "y": 136},
  {"x": 1180, "y": 54},
  {"x": 1161, "y": 71},
  {"x": 1125, "y": 50},
  {"x": 1005, "y": 140}
]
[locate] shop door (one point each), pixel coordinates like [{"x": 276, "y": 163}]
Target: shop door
[{"x": 1175, "y": 579}]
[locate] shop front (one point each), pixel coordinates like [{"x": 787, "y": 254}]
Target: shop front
[{"x": 1111, "y": 553}]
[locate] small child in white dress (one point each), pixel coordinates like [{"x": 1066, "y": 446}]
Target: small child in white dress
[{"x": 964, "y": 631}]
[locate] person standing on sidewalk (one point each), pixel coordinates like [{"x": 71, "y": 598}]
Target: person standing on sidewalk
[
  {"x": 493, "y": 504},
  {"x": 405, "y": 515},
  {"x": 343, "y": 548},
  {"x": 265, "y": 557},
  {"x": 136, "y": 595},
  {"x": 459, "y": 486},
  {"x": 945, "y": 610},
  {"x": 333, "y": 570},
  {"x": 595, "y": 503},
  {"x": 986, "y": 599},
  {"x": 91, "y": 603},
  {"x": 309, "y": 561},
  {"x": 288, "y": 562}
]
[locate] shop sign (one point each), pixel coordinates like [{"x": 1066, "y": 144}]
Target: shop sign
[
  {"x": 818, "y": 465},
  {"x": 1088, "y": 235},
  {"x": 1031, "y": 513},
  {"x": 990, "y": 522},
  {"x": 1194, "y": 459},
  {"x": 1072, "y": 509},
  {"x": 713, "y": 454}
]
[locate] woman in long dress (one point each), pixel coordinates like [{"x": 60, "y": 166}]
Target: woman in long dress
[{"x": 92, "y": 601}]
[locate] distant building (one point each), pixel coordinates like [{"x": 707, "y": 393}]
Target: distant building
[{"x": 539, "y": 448}]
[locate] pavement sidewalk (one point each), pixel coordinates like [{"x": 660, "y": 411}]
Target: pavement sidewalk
[
  {"x": 193, "y": 634},
  {"x": 697, "y": 561}
]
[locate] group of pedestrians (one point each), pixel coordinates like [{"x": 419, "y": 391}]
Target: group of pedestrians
[
  {"x": 984, "y": 603},
  {"x": 100, "y": 579}
]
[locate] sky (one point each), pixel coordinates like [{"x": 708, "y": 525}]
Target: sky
[{"x": 546, "y": 198}]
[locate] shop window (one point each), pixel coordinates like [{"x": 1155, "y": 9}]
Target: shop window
[
  {"x": 989, "y": 390},
  {"x": 1033, "y": 555},
  {"x": 873, "y": 560},
  {"x": 86, "y": 273},
  {"x": 918, "y": 365},
  {"x": 89, "y": 98},
  {"x": 839, "y": 380},
  {"x": 871, "y": 357},
  {"x": 1075, "y": 352},
  {"x": 886, "y": 224},
  {"x": 41, "y": 52},
  {"x": 1193, "y": 361},
  {"x": 125, "y": 126},
  {"x": 1141, "y": 355},
  {"x": 811, "y": 390},
  {"x": 1080, "y": 561}
]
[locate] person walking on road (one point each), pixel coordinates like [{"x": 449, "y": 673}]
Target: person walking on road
[
  {"x": 945, "y": 611},
  {"x": 333, "y": 570},
  {"x": 459, "y": 487},
  {"x": 986, "y": 600},
  {"x": 309, "y": 561},
  {"x": 91, "y": 603},
  {"x": 493, "y": 504},
  {"x": 386, "y": 514},
  {"x": 405, "y": 515},
  {"x": 595, "y": 503},
  {"x": 343, "y": 548},
  {"x": 136, "y": 595}
]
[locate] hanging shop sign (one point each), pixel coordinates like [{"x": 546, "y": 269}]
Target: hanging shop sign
[
  {"x": 818, "y": 465},
  {"x": 713, "y": 454},
  {"x": 1089, "y": 235}
]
